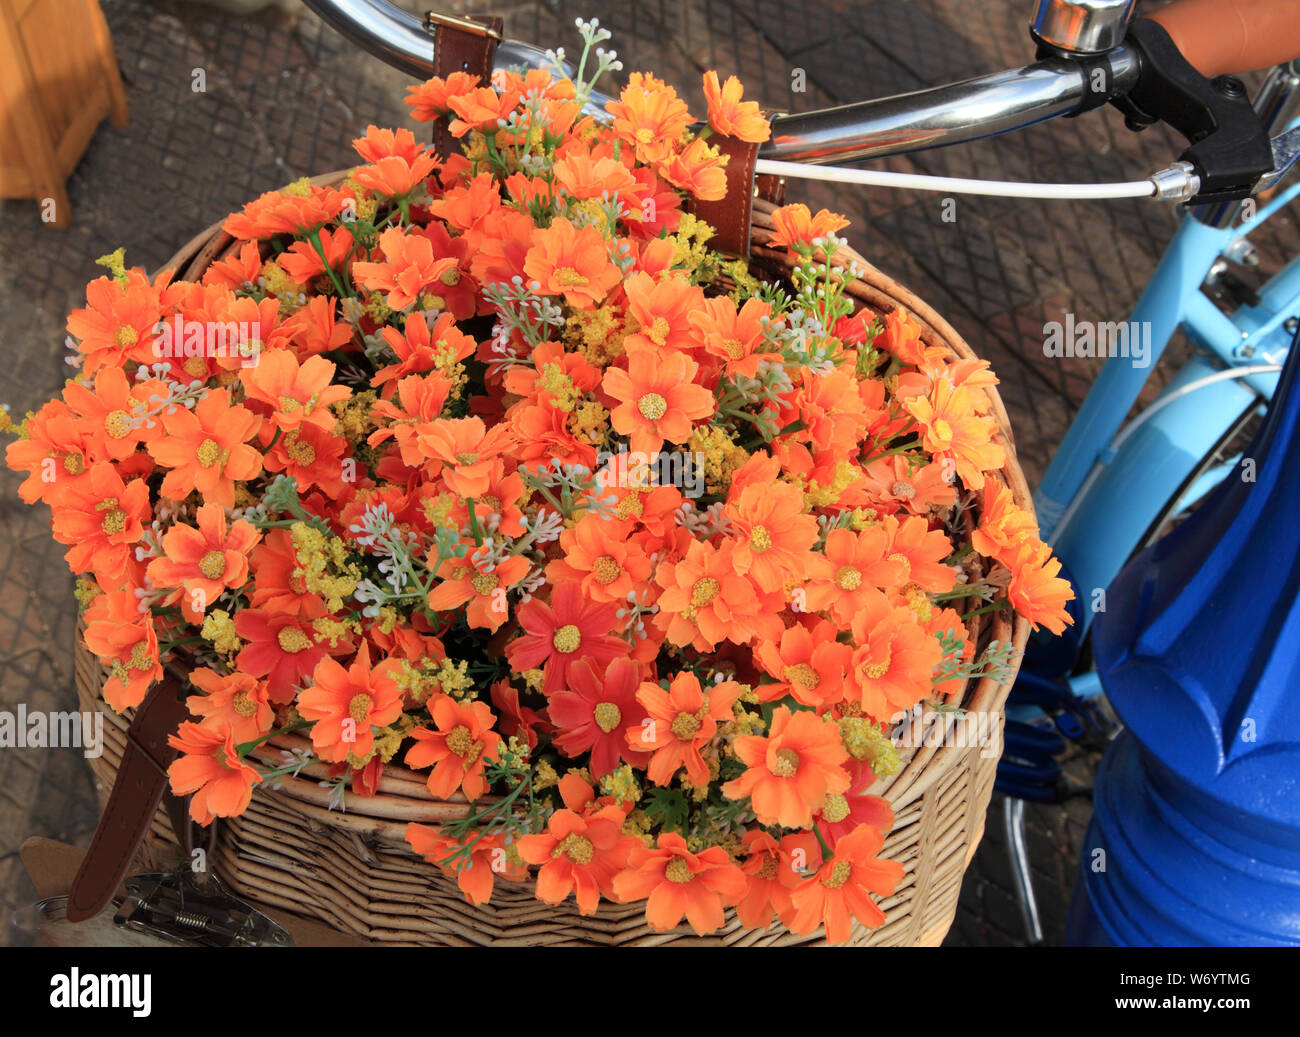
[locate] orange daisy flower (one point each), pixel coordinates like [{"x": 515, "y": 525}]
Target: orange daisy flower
[
  {"x": 116, "y": 325},
  {"x": 396, "y": 176},
  {"x": 282, "y": 648},
  {"x": 841, "y": 890},
  {"x": 772, "y": 870},
  {"x": 488, "y": 858},
  {"x": 101, "y": 520},
  {"x": 895, "y": 482},
  {"x": 233, "y": 700},
  {"x": 1036, "y": 591},
  {"x": 776, "y": 535},
  {"x": 733, "y": 336},
  {"x": 347, "y": 705},
  {"x": 56, "y": 455},
  {"x": 704, "y": 601},
  {"x": 304, "y": 264},
  {"x": 601, "y": 557},
  {"x": 458, "y": 748},
  {"x": 894, "y": 661},
  {"x": 676, "y": 883},
  {"x": 658, "y": 399},
  {"x": 126, "y": 641},
  {"x": 203, "y": 562},
  {"x": 572, "y": 262},
  {"x": 421, "y": 347},
  {"x": 808, "y": 663},
  {"x": 680, "y": 722},
  {"x": 662, "y": 310},
  {"x": 409, "y": 267},
  {"x": 596, "y": 712},
  {"x": 1004, "y": 525},
  {"x": 649, "y": 116},
  {"x": 207, "y": 449},
  {"x": 797, "y": 227},
  {"x": 697, "y": 170},
  {"x": 729, "y": 114},
  {"x": 560, "y": 634},
  {"x": 857, "y": 569},
  {"x": 951, "y": 428},
  {"x": 464, "y": 452},
  {"x": 297, "y": 393},
  {"x": 582, "y": 849},
  {"x": 432, "y": 99},
  {"x": 792, "y": 770},
  {"x": 112, "y": 414},
  {"x": 210, "y": 772},
  {"x": 921, "y": 551},
  {"x": 484, "y": 590}
]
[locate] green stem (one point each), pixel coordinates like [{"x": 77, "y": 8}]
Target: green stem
[
  {"x": 314, "y": 237},
  {"x": 1001, "y": 603}
]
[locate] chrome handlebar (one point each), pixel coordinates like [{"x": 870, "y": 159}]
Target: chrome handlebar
[{"x": 979, "y": 107}]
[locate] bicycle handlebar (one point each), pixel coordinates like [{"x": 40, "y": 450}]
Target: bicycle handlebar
[{"x": 1224, "y": 37}]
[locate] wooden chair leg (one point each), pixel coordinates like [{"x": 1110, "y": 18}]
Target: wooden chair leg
[{"x": 117, "y": 108}]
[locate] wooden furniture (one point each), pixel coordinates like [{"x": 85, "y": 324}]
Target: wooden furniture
[{"x": 58, "y": 79}]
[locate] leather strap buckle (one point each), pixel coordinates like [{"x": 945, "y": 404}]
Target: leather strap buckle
[{"x": 432, "y": 19}]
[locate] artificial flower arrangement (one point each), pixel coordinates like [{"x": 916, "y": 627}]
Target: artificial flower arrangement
[{"x": 515, "y": 480}]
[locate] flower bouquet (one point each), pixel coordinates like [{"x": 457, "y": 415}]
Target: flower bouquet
[{"x": 487, "y": 467}]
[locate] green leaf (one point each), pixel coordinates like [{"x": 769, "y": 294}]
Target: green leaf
[{"x": 669, "y": 806}]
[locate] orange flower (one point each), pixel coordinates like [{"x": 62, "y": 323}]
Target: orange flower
[
  {"x": 458, "y": 748},
  {"x": 421, "y": 348},
  {"x": 950, "y": 427},
  {"x": 729, "y": 114},
  {"x": 1004, "y": 525},
  {"x": 476, "y": 877},
  {"x": 703, "y": 600},
  {"x": 304, "y": 264},
  {"x": 772, "y": 870},
  {"x": 112, "y": 415},
  {"x": 432, "y": 99},
  {"x": 901, "y": 336},
  {"x": 894, "y": 482},
  {"x": 464, "y": 452},
  {"x": 282, "y": 648},
  {"x": 203, "y": 562},
  {"x": 681, "y": 721},
  {"x": 1036, "y": 591},
  {"x": 649, "y": 116},
  {"x": 380, "y": 143},
  {"x": 596, "y": 712},
  {"x": 792, "y": 770},
  {"x": 734, "y": 336},
  {"x": 297, "y": 393},
  {"x": 409, "y": 267},
  {"x": 698, "y": 171},
  {"x": 347, "y": 705},
  {"x": 776, "y": 534},
  {"x": 234, "y": 700},
  {"x": 396, "y": 176},
  {"x": 116, "y": 325},
  {"x": 480, "y": 109},
  {"x": 101, "y": 520},
  {"x": 56, "y": 455},
  {"x": 675, "y": 882},
  {"x": 857, "y": 569},
  {"x": 299, "y": 209},
  {"x": 920, "y": 550},
  {"x": 662, "y": 311},
  {"x": 599, "y": 554},
  {"x": 562, "y": 633},
  {"x": 658, "y": 399},
  {"x": 572, "y": 262},
  {"x": 207, "y": 449},
  {"x": 796, "y": 227},
  {"x": 124, "y": 638},
  {"x": 210, "y": 768},
  {"x": 808, "y": 663},
  {"x": 582, "y": 849},
  {"x": 841, "y": 889},
  {"x": 894, "y": 661},
  {"x": 582, "y": 175},
  {"x": 484, "y": 589}
]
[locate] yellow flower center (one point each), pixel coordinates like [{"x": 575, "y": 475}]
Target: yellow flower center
[
  {"x": 567, "y": 639},
  {"x": 901, "y": 560},
  {"x": 835, "y": 808},
  {"x": 768, "y": 869},
  {"x": 902, "y": 490},
  {"x": 705, "y": 590},
  {"x": 195, "y": 367},
  {"x": 607, "y": 715},
  {"x": 678, "y": 870},
  {"x": 73, "y": 464},
  {"x": 645, "y": 135},
  {"x": 942, "y": 431},
  {"x": 126, "y": 336},
  {"x": 117, "y": 424},
  {"x": 606, "y": 570},
  {"x": 734, "y": 347},
  {"x": 113, "y": 522},
  {"x": 567, "y": 277},
  {"x": 288, "y": 404},
  {"x": 243, "y": 704},
  {"x": 848, "y": 578},
  {"x": 208, "y": 453},
  {"x": 760, "y": 539},
  {"x": 652, "y": 406},
  {"x": 877, "y": 670},
  {"x": 484, "y": 583},
  {"x": 451, "y": 276},
  {"x": 803, "y": 675},
  {"x": 292, "y": 640},
  {"x": 787, "y": 763},
  {"x": 359, "y": 708},
  {"x": 577, "y": 848},
  {"x": 461, "y": 742},
  {"x": 686, "y": 726},
  {"x": 630, "y": 506},
  {"x": 658, "y": 331},
  {"x": 213, "y": 565},
  {"x": 839, "y": 875},
  {"x": 469, "y": 457},
  {"x": 141, "y": 656}
]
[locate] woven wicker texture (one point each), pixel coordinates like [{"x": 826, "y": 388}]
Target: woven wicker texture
[{"x": 354, "y": 870}]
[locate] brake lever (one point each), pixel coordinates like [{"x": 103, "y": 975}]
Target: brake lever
[{"x": 1286, "y": 152}]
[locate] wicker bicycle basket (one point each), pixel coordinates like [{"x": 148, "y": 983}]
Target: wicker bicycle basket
[{"x": 354, "y": 870}]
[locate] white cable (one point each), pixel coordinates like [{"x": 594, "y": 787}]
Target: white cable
[{"x": 955, "y": 185}]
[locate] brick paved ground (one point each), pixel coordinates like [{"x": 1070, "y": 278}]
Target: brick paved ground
[{"x": 284, "y": 96}]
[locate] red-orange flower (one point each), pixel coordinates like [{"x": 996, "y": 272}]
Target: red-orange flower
[
  {"x": 563, "y": 632},
  {"x": 347, "y": 705},
  {"x": 475, "y": 873},
  {"x": 595, "y": 713},
  {"x": 235, "y": 700},
  {"x": 791, "y": 771},
  {"x": 729, "y": 114},
  {"x": 657, "y": 397},
  {"x": 808, "y": 663},
  {"x": 207, "y": 449},
  {"x": 676, "y": 883},
  {"x": 895, "y": 658},
  {"x": 210, "y": 772},
  {"x": 796, "y": 226},
  {"x": 680, "y": 722},
  {"x": 297, "y": 393},
  {"x": 203, "y": 562},
  {"x": 572, "y": 262},
  {"x": 458, "y": 747},
  {"x": 1036, "y": 591},
  {"x": 841, "y": 890},
  {"x": 408, "y": 269}
]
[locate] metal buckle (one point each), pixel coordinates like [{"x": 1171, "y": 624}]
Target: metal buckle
[
  {"x": 433, "y": 18},
  {"x": 174, "y": 907}
]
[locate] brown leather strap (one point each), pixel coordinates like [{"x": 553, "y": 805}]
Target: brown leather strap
[
  {"x": 141, "y": 782},
  {"x": 457, "y": 48},
  {"x": 729, "y": 217}
]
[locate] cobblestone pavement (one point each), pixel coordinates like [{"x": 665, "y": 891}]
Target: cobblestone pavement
[{"x": 285, "y": 96}]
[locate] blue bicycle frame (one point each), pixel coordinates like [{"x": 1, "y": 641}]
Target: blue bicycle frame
[{"x": 1105, "y": 487}]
